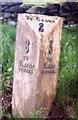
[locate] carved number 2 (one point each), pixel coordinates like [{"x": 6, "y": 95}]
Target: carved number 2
[
  {"x": 51, "y": 48},
  {"x": 41, "y": 27},
  {"x": 26, "y": 48}
]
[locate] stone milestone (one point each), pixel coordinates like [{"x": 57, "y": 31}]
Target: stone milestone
[{"x": 36, "y": 63}]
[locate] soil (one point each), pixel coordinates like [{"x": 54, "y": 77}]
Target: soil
[{"x": 57, "y": 111}]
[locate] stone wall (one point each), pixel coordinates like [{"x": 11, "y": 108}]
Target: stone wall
[{"x": 68, "y": 10}]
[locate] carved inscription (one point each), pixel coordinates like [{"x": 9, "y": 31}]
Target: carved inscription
[
  {"x": 41, "y": 27},
  {"x": 36, "y": 64},
  {"x": 48, "y": 67},
  {"x": 29, "y": 17},
  {"x": 26, "y": 48},
  {"x": 25, "y": 66},
  {"x": 51, "y": 48}
]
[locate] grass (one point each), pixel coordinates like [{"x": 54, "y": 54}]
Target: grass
[
  {"x": 67, "y": 91},
  {"x": 8, "y": 51}
]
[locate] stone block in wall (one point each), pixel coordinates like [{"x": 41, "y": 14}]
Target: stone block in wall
[
  {"x": 36, "y": 10},
  {"x": 10, "y": 4},
  {"x": 50, "y": 6},
  {"x": 15, "y": 9}
]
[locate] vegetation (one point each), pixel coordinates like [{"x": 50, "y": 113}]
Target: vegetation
[
  {"x": 67, "y": 92},
  {"x": 8, "y": 51},
  {"x": 45, "y": 1}
]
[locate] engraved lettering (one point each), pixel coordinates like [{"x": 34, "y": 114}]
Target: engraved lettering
[
  {"x": 41, "y": 27},
  {"x": 25, "y": 58},
  {"x": 26, "y": 48},
  {"x": 23, "y": 66},
  {"x": 51, "y": 48},
  {"x": 48, "y": 71},
  {"x": 37, "y": 18},
  {"x": 19, "y": 63},
  {"x": 49, "y": 59},
  {"x": 48, "y": 66}
]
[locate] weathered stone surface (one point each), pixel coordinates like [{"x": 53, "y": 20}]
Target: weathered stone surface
[
  {"x": 15, "y": 9},
  {"x": 53, "y": 13},
  {"x": 6, "y": 14},
  {"x": 65, "y": 8},
  {"x": 36, "y": 63},
  {"x": 26, "y": 6},
  {"x": 73, "y": 6},
  {"x": 50, "y": 6},
  {"x": 52, "y": 9},
  {"x": 69, "y": 10},
  {"x": 69, "y": 7},
  {"x": 49, "y": 9},
  {"x": 36, "y": 10},
  {"x": 4, "y": 8},
  {"x": 10, "y": 4}
]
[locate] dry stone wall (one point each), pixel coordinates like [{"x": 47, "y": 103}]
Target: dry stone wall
[{"x": 68, "y": 10}]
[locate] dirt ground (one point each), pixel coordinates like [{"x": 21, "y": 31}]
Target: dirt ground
[{"x": 57, "y": 110}]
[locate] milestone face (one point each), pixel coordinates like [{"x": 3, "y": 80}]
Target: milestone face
[{"x": 36, "y": 62}]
